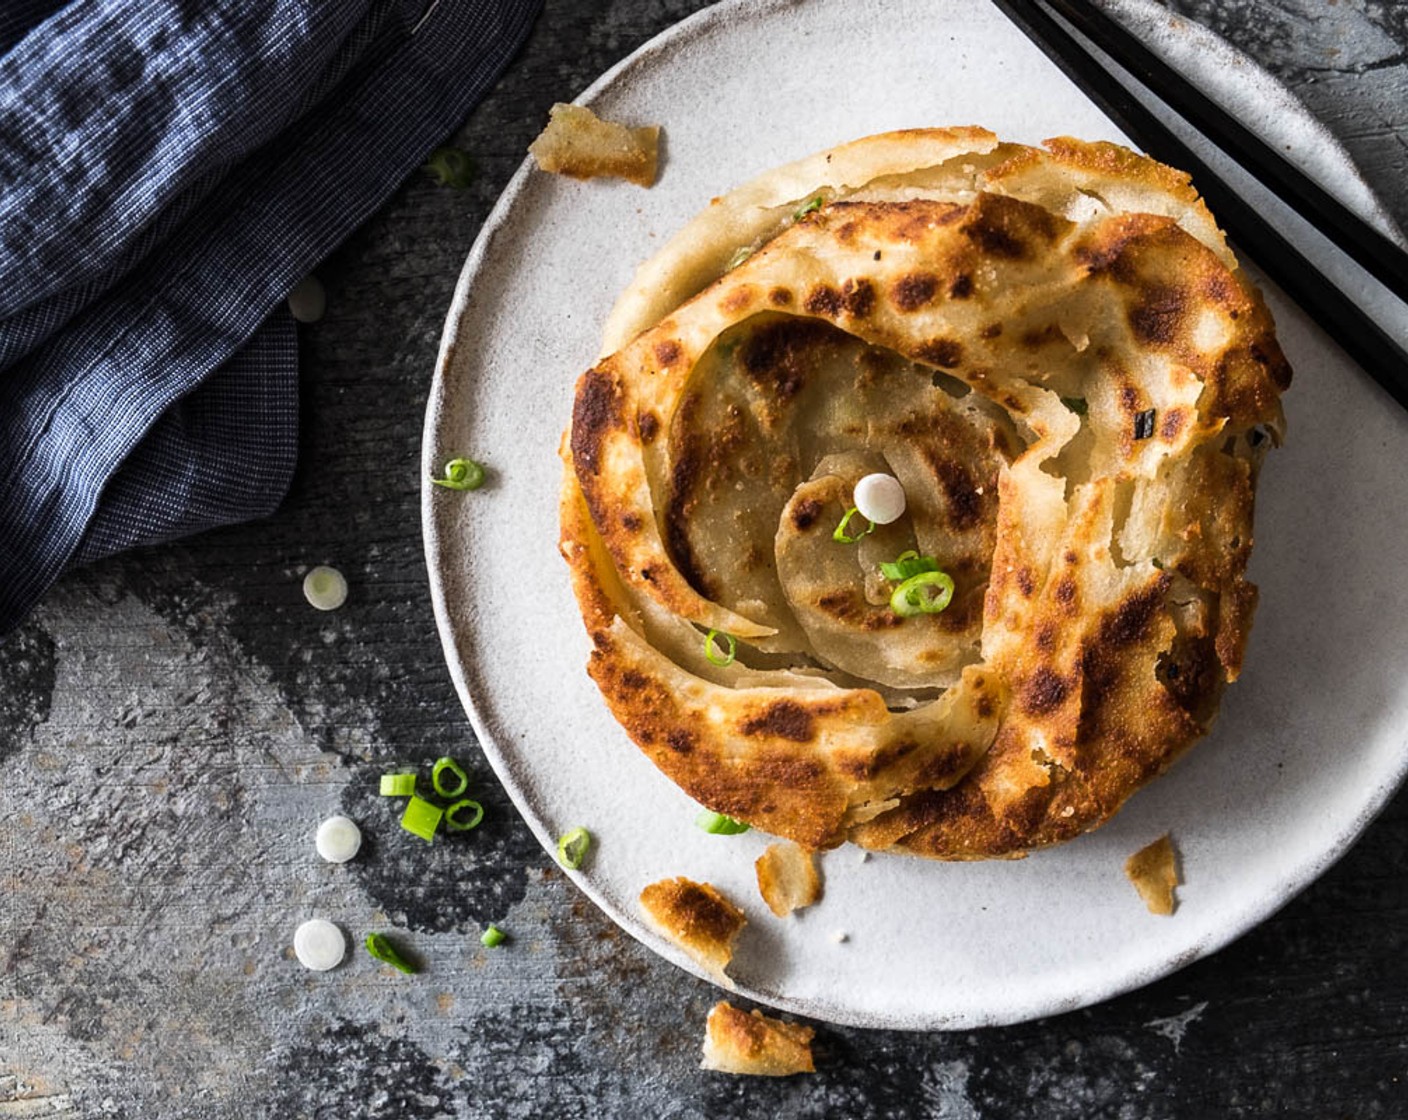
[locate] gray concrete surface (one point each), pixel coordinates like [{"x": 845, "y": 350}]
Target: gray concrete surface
[{"x": 175, "y": 722}]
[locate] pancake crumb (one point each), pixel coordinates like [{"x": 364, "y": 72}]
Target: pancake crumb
[
  {"x": 1154, "y": 872},
  {"x": 579, "y": 144},
  {"x": 754, "y": 1044}
]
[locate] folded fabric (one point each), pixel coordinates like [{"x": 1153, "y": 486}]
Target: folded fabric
[{"x": 169, "y": 169}]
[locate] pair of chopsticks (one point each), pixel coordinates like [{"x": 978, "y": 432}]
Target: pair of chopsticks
[{"x": 1356, "y": 332}]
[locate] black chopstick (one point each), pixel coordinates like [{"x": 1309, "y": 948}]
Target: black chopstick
[
  {"x": 1355, "y": 332},
  {"x": 1355, "y": 237}
]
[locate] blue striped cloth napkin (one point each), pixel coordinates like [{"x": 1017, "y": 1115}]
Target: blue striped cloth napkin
[{"x": 169, "y": 169}]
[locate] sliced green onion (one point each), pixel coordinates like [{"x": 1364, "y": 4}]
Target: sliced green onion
[
  {"x": 840, "y": 533},
  {"x": 382, "y": 949},
  {"x": 717, "y": 656},
  {"x": 1076, "y": 405},
  {"x": 472, "y": 808},
  {"x": 908, "y": 564},
  {"x": 716, "y": 824},
  {"x": 926, "y": 593},
  {"x": 442, "y": 786},
  {"x": 572, "y": 848},
  {"x": 492, "y": 937},
  {"x": 809, "y": 207},
  {"x": 451, "y": 167},
  {"x": 422, "y": 818},
  {"x": 325, "y": 588},
  {"x": 398, "y": 785},
  {"x": 461, "y": 474},
  {"x": 741, "y": 254}
]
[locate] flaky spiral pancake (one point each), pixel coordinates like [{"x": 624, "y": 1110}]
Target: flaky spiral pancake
[{"x": 1057, "y": 355}]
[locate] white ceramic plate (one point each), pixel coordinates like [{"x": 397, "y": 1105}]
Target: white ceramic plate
[{"x": 1311, "y": 742}]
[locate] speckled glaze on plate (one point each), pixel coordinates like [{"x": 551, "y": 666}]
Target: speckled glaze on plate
[{"x": 1311, "y": 741}]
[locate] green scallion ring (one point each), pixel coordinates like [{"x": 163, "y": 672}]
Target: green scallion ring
[
  {"x": 452, "y": 813},
  {"x": 717, "y": 824},
  {"x": 572, "y": 848},
  {"x": 840, "y": 533},
  {"x": 492, "y": 937},
  {"x": 926, "y": 593},
  {"x": 448, "y": 765},
  {"x": 714, "y": 655},
  {"x": 461, "y": 474}
]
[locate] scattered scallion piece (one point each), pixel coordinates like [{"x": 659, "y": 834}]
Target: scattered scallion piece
[
  {"x": 741, "y": 254},
  {"x": 422, "y": 818},
  {"x": 398, "y": 785},
  {"x": 461, "y": 474},
  {"x": 451, "y": 167},
  {"x": 908, "y": 564},
  {"x": 1144, "y": 423},
  {"x": 716, "y": 656},
  {"x": 325, "y": 588},
  {"x": 809, "y": 207},
  {"x": 492, "y": 937},
  {"x": 338, "y": 839},
  {"x": 717, "y": 824},
  {"x": 841, "y": 535},
  {"x": 926, "y": 593},
  {"x": 572, "y": 848},
  {"x": 1077, "y": 405},
  {"x": 382, "y": 949},
  {"x": 472, "y": 809},
  {"x": 444, "y": 786}
]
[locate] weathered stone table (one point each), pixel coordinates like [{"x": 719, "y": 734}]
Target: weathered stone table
[{"x": 175, "y": 722}]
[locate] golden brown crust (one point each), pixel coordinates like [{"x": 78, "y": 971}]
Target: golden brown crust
[
  {"x": 1154, "y": 872},
  {"x": 579, "y": 144},
  {"x": 697, "y": 918},
  {"x": 738, "y": 1042},
  {"x": 787, "y": 878},
  {"x": 1057, "y": 355}
]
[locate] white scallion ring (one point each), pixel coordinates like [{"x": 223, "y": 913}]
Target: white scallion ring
[
  {"x": 319, "y": 945},
  {"x": 879, "y": 498},
  {"x": 325, "y": 588},
  {"x": 338, "y": 839}
]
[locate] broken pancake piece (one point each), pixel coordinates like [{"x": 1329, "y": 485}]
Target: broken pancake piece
[
  {"x": 579, "y": 144},
  {"x": 738, "y": 1042},
  {"x": 697, "y": 918},
  {"x": 1154, "y": 872},
  {"x": 787, "y": 878}
]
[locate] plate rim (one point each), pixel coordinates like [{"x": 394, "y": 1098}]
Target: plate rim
[{"x": 436, "y": 546}]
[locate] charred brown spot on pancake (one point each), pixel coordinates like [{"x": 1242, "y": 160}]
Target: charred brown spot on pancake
[
  {"x": 1112, "y": 250},
  {"x": 962, "y": 502},
  {"x": 1066, "y": 590},
  {"x": 1026, "y": 582},
  {"x": 1160, "y": 314},
  {"x": 631, "y": 522},
  {"x": 667, "y": 353},
  {"x": 648, "y": 425},
  {"x": 805, "y": 513},
  {"x": 823, "y": 300},
  {"x": 961, "y": 286},
  {"x": 1192, "y": 673},
  {"x": 858, "y": 297},
  {"x": 992, "y": 330},
  {"x": 1008, "y": 228},
  {"x": 596, "y": 412},
  {"x": 1044, "y": 691},
  {"x": 1129, "y": 622},
  {"x": 632, "y": 681},
  {"x": 1046, "y": 637},
  {"x": 780, "y": 297},
  {"x": 1172, "y": 424},
  {"x": 1270, "y": 356},
  {"x": 909, "y": 293},
  {"x": 784, "y": 720},
  {"x": 947, "y": 353},
  {"x": 739, "y": 300},
  {"x": 777, "y": 357},
  {"x": 681, "y": 740},
  {"x": 1034, "y": 338}
]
